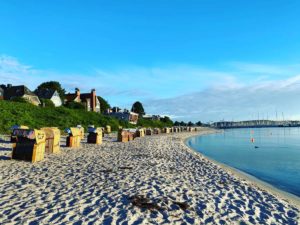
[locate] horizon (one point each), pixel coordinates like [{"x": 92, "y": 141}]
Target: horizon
[{"x": 193, "y": 61}]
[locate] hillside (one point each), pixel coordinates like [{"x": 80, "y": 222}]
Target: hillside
[{"x": 12, "y": 113}]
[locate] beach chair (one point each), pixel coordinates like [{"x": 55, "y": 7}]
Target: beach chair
[
  {"x": 108, "y": 129},
  {"x": 12, "y": 137},
  {"x": 29, "y": 145},
  {"x": 122, "y": 136},
  {"x": 167, "y": 130},
  {"x": 95, "y": 135},
  {"x": 52, "y": 139},
  {"x": 81, "y": 131},
  {"x": 140, "y": 133},
  {"x": 74, "y": 138},
  {"x": 156, "y": 131},
  {"x": 149, "y": 131}
]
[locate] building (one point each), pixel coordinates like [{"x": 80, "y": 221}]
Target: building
[
  {"x": 89, "y": 100},
  {"x": 21, "y": 91},
  {"x": 50, "y": 94},
  {"x": 152, "y": 117},
  {"x": 125, "y": 115}
]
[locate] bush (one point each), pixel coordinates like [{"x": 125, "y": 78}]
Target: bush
[
  {"x": 19, "y": 99},
  {"x": 104, "y": 105},
  {"x": 154, "y": 123},
  {"x": 75, "y": 105},
  {"x": 47, "y": 103}
]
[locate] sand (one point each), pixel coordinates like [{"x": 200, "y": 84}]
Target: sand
[{"x": 151, "y": 180}]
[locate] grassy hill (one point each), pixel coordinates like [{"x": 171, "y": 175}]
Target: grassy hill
[{"x": 12, "y": 113}]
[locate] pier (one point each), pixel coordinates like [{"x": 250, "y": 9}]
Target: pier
[{"x": 255, "y": 124}]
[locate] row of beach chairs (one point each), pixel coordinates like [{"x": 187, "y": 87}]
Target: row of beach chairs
[
  {"x": 125, "y": 135},
  {"x": 32, "y": 144}
]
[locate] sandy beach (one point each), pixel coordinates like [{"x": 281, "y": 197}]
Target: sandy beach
[{"x": 151, "y": 180}]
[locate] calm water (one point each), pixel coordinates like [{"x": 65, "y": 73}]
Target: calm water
[{"x": 275, "y": 161}]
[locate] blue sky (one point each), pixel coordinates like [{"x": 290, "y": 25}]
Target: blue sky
[{"x": 192, "y": 60}]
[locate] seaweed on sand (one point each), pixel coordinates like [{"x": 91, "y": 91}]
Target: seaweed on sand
[{"x": 144, "y": 203}]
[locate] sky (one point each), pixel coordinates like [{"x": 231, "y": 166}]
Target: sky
[{"x": 192, "y": 60}]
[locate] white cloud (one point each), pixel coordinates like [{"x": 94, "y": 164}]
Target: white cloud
[
  {"x": 262, "y": 72},
  {"x": 236, "y": 102}
]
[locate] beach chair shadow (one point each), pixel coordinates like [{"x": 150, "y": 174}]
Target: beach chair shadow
[
  {"x": 4, "y": 157},
  {"x": 5, "y": 149},
  {"x": 4, "y": 141}
]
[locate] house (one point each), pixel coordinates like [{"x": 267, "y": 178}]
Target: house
[
  {"x": 89, "y": 100},
  {"x": 125, "y": 115},
  {"x": 152, "y": 117},
  {"x": 21, "y": 91},
  {"x": 50, "y": 94}
]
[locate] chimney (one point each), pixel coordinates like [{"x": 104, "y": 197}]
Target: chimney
[
  {"x": 9, "y": 85},
  {"x": 93, "y": 100},
  {"x": 77, "y": 91}
]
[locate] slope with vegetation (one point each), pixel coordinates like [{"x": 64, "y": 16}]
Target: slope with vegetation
[{"x": 22, "y": 113}]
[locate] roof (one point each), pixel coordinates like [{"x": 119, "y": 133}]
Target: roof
[
  {"x": 85, "y": 96},
  {"x": 17, "y": 91},
  {"x": 45, "y": 93},
  {"x": 70, "y": 97}
]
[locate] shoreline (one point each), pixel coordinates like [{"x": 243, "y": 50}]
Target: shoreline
[{"x": 289, "y": 197}]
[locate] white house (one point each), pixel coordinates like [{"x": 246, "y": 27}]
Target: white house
[{"x": 51, "y": 95}]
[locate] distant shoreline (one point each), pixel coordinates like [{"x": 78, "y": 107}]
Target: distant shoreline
[{"x": 289, "y": 197}]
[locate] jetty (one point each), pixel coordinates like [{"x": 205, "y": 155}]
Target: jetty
[{"x": 255, "y": 124}]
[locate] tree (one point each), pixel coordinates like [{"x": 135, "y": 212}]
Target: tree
[
  {"x": 167, "y": 120},
  {"x": 137, "y": 107},
  {"x": 104, "y": 105},
  {"x": 190, "y": 124},
  {"x": 54, "y": 85},
  {"x": 199, "y": 123},
  {"x": 182, "y": 123},
  {"x": 177, "y": 123}
]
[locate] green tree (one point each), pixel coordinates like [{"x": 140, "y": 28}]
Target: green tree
[
  {"x": 137, "y": 107},
  {"x": 182, "y": 123},
  {"x": 167, "y": 120},
  {"x": 199, "y": 123},
  {"x": 54, "y": 85},
  {"x": 177, "y": 123},
  {"x": 104, "y": 105},
  {"x": 190, "y": 124}
]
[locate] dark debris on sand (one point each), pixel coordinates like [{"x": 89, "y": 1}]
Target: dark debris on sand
[{"x": 144, "y": 203}]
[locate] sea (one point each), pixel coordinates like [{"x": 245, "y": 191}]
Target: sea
[{"x": 268, "y": 154}]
